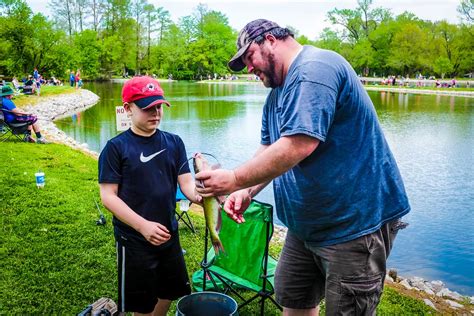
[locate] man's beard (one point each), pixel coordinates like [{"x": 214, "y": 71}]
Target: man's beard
[{"x": 271, "y": 79}]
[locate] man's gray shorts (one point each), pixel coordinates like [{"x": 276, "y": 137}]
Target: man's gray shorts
[{"x": 349, "y": 275}]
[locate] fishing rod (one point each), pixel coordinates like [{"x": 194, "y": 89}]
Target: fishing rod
[{"x": 101, "y": 221}]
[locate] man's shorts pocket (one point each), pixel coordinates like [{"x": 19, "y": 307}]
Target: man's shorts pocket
[{"x": 360, "y": 295}]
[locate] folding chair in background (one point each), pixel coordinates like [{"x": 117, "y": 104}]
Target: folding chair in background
[
  {"x": 182, "y": 207},
  {"x": 246, "y": 263},
  {"x": 7, "y": 130}
]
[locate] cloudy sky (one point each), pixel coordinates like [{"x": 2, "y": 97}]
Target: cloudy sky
[{"x": 308, "y": 17}]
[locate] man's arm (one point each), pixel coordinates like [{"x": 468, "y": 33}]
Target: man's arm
[
  {"x": 273, "y": 161},
  {"x": 155, "y": 233}
]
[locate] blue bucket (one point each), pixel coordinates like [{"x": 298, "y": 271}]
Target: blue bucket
[{"x": 206, "y": 304}]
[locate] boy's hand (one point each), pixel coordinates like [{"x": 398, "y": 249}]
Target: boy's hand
[
  {"x": 155, "y": 233},
  {"x": 236, "y": 204}
]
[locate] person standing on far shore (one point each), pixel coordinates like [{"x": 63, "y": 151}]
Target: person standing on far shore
[
  {"x": 78, "y": 78},
  {"x": 72, "y": 79},
  {"x": 336, "y": 183}
]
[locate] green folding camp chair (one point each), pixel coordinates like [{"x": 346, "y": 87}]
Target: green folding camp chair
[{"x": 246, "y": 263}]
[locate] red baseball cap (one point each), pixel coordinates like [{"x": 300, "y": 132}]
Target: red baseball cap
[{"x": 144, "y": 91}]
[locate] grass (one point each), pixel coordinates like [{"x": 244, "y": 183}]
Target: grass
[
  {"x": 54, "y": 259},
  {"x": 46, "y": 91}
]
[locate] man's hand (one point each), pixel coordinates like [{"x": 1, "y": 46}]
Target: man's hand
[
  {"x": 154, "y": 232},
  {"x": 236, "y": 204},
  {"x": 216, "y": 182}
]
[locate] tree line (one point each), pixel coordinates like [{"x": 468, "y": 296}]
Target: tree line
[{"x": 114, "y": 37}]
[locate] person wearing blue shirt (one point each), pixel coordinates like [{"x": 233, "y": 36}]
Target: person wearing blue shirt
[
  {"x": 72, "y": 79},
  {"x": 36, "y": 74},
  {"x": 139, "y": 171},
  {"x": 336, "y": 183},
  {"x": 14, "y": 115}
]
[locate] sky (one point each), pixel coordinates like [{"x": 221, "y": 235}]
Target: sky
[{"x": 308, "y": 17}]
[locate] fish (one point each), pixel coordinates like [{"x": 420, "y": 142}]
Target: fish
[{"x": 212, "y": 206}]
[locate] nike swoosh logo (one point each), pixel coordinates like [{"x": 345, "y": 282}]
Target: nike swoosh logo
[{"x": 148, "y": 158}]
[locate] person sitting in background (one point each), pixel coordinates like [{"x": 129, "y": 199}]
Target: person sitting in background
[
  {"x": 16, "y": 84},
  {"x": 14, "y": 115},
  {"x": 30, "y": 85}
]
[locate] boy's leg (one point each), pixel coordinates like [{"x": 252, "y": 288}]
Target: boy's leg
[
  {"x": 162, "y": 307},
  {"x": 172, "y": 273},
  {"x": 145, "y": 276},
  {"x": 135, "y": 279}
]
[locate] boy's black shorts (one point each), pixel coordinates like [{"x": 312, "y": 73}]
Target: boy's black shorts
[{"x": 146, "y": 274}]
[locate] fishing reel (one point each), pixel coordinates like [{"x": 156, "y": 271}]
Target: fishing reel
[{"x": 101, "y": 221}]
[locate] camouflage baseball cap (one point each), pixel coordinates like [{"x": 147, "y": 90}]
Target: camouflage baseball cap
[{"x": 250, "y": 32}]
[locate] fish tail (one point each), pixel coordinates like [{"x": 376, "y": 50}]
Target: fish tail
[{"x": 218, "y": 247}]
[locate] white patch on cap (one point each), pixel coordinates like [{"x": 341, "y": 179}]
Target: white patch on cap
[{"x": 150, "y": 87}]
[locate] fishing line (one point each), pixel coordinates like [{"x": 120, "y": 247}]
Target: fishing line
[{"x": 206, "y": 154}]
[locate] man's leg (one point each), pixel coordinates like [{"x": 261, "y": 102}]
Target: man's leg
[
  {"x": 36, "y": 128},
  {"x": 299, "y": 282},
  {"x": 355, "y": 271}
]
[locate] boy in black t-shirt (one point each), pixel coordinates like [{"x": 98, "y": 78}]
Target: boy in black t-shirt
[{"x": 138, "y": 174}]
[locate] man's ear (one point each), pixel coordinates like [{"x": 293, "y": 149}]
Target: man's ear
[{"x": 271, "y": 38}]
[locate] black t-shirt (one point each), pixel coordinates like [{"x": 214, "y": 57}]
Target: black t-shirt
[{"x": 146, "y": 170}]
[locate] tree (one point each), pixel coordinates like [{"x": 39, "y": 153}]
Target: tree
[
  {"x": 164, "y": 21},
  {"x": 466, "y": 9},
  {"x": 442, "y": 65},
  {"x": 150, "y": 20},
  {"x": 63, "y": 14},
  {"x": 362, "y": 56},
  {"x": 16, "y": 31},
  {"x": 408, "y": 49},
  {"x": 358, "y": 23},
  {"x": 329, "y": 39},
  {"x": 97, "y": 9},
  {"x": 88, "y": 51}
]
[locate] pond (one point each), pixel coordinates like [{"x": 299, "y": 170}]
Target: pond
[{"x": 431, "y": 136}]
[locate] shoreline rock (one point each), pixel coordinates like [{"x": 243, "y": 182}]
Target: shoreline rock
[{"x": 60, "y": 106}]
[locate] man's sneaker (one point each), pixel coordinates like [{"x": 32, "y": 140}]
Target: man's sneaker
[
  {"x": 29, "y": 139},
  {"x": 41, "y": 140}
]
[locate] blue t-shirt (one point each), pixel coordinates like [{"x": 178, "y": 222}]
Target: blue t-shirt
[
  {"x": 8, "y": 104},
  {"x": 146, "y": 170},
  {"x": 350, "y": 185}
]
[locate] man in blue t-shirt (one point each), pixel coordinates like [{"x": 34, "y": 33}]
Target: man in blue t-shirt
[{"x": 337, "y": 186}]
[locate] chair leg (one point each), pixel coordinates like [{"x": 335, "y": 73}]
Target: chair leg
[{"x": 184, "y": 217}]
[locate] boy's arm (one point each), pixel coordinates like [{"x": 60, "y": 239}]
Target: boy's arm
[
  {"x": 188, "y": 187},
  {"x": 154, "y": 232}
]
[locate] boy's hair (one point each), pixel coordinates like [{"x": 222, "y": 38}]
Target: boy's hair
[{"x": 144, "y": 91}]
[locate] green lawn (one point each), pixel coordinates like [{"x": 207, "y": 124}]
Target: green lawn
[
  {"x": 46, "y": 91},
  {"x": 55, "y": 260}
]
